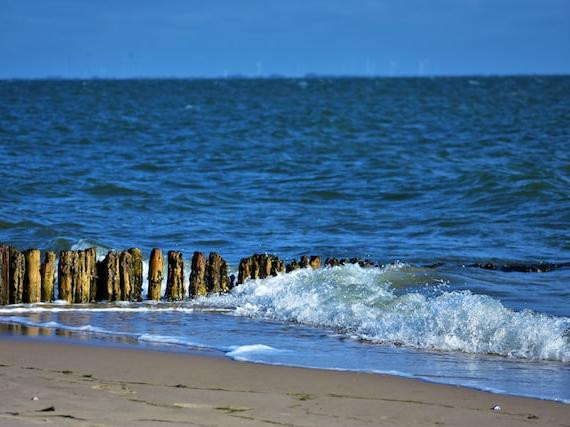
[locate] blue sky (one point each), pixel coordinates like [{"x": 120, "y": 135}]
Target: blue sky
[{"x": 176, "y": 38}]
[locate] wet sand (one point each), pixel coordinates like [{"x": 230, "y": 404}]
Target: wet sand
[{"x": 66, "y": 384}]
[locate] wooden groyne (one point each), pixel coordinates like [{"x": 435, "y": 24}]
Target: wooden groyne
[{"x": 81, "y": 278}]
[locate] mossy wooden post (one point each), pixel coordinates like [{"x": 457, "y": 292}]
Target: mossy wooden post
[
  {"x": 277, "y": 265},
  {"x": 82, "y": 277},
  {"x": 16, "y": 277},
  {"x": 101, "y": 285},
  {"x": 65, "y": 272},
  {"x": 125, "y": 275},
  {"x": 91, "y": 273},
  {"x": 244, "y": 270},
  {"x": 88, "y": 277},
  {"x": 77, "y": 277},
  {"x": 315, "y": 262},
  {"x": 217, "y": 280},
  {"x": 137, "y": 274},
  {"x": 225, "y": 283},
  {"x": 47, "y": 273},
  {"x": 332, "y": 262},
  {"x": 213, "y": 276},
  {"x": 292, "y": 266},
  {"x": 264, "y": 266},
  {"x": 32, "y": 278},
  {"x": 155, "y": 268},
  {"x": 112, "y": 276},
  {"x": 255, "y": 267},
  {"x": 4, "y": 274},
  {"x": 259, "y": 266},
  {"x": 175, "y": 279},
  {"x": 197, "y": 286}
]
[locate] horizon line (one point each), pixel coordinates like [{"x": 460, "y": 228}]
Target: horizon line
[{"x": 278, "y": 76}]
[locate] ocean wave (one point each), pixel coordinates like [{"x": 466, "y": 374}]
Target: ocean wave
[
  {"x": 379, "y": 305},
  {"x": 364, "y": 304},
  {"x": 83, "y": 244}
]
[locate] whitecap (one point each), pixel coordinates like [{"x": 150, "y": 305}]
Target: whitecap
[{"x": 363, "y": 303}]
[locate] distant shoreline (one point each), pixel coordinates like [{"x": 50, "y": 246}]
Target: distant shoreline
[{"x": 284, "y": 77}]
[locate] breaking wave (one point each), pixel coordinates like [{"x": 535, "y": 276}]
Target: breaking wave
[{"x": 372, "y": 305}]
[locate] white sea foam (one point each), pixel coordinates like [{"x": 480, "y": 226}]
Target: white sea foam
[
  {"x": 83, "y": 244},
  {"x": 166, "y": 339},
  {"x": 246, "y": 351},
  {"x": 363, "y": 303}
]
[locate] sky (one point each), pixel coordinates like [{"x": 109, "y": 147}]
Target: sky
[{"x": 217, "y": 38}]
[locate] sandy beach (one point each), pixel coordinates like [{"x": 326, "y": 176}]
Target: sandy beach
[{"x": 67, "y": 384}]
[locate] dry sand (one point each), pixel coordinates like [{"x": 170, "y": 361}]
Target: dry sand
[{"x": 95, "y": 386}]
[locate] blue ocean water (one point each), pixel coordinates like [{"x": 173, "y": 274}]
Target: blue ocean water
[{"x": 405, "y": 172}]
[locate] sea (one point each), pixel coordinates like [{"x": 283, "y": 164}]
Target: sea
[{"x": 424, "y": 177}]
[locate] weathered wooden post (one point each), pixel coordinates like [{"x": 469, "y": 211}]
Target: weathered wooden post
[
  {"x": 198, "y": 276},
  {"x": 213, "y": 276},
  {"x": 175, "y": 279},
  {"x": 91, "y": 274},
  {"x": 331, "y": 262},
  {"x": 259, "y": 266},
  {"x": 101, "y": 282},
  {"x": 78, "y": 277},
  {"x": 255, "y": 267},
  {"x": 32, "y": 280},
  {"x": 107, "y": 280},
  {"x": 137, "y": 274},
  {"x": 112, "y": 276},
  {"x": 17, "y": 270},
  {"x": 225, "y": 283},
  {"x": 47, "y": 274},
  {"x": 155, "y": 268},
  {"x": 4, "y": 274},
  {"x": 65, "y": 272},
  {"x": 277, "y": 265},
  {"x": 217, "y": 274},
  {"x": 82, "y": 277},
  {"x": 125, "y": 275},
  {"x": 245, "y": 266},
  {"x": 264, "y": 262},
  {"x": 315, "y": 262},
  {"x": 292, "y": 266}
]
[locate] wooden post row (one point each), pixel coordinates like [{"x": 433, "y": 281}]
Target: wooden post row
[{"x": 119, "y": 276}]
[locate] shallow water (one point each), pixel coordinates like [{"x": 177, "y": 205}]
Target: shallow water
[{"x": 446, "y": 170}]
